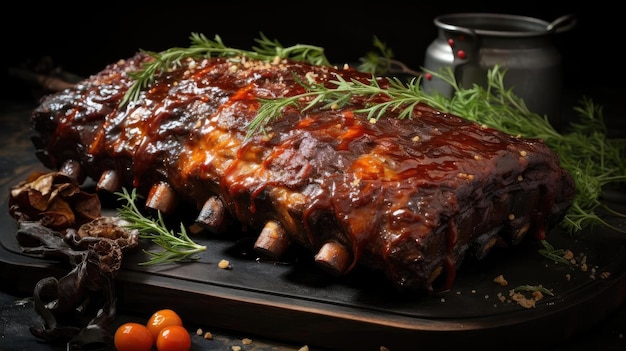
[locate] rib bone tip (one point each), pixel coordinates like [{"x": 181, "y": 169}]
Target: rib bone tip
[
  {"x": 74, "y": 170},
  {"x": 273, "y": 241},
  {"x": 109, "y": 181},
  {"x": 334, "y": 258},
  {"x": 213, "y": 215},
  {"x": 162, "y": 198}
]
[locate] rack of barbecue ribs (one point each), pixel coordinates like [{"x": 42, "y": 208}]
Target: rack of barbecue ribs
[{"x": 408, "y": 197}]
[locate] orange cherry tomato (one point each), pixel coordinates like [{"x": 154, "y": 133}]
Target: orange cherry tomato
[
  {"x": 161, "y": 319},
  {"x": 133, "y": 337},
  {"x": 174, "y": 338}
]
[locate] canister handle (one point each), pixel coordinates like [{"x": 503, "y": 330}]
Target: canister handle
[{"x": 562, "y": 24}]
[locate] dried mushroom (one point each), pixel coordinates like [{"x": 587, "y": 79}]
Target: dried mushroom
[
  {"x": 57, "y": 219},
  {"x": 78, "y": 308},
  {"x": 54, "y": 200},
  {"x": 113, "y": 228}
]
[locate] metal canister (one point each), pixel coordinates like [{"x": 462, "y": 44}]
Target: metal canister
[{"x": 473, "y": 43}]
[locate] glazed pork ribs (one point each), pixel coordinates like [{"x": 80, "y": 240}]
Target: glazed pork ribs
[{"x": 410, "y": 197}]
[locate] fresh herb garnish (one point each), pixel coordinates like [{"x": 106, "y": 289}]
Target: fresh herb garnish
[
  {"x": 381, "y": 62},
  {"x": 533, "y": 288},
  {"x": 377, "y": 62},
  {"x": 550, "y": 252},
  {"x": 176, "y": 247},
  {"x": 202, "y": 47},
  {"x": 402, "y": 97}
]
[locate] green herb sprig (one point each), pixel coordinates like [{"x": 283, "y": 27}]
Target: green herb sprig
[
  {"x": 403, "y": 97},
  {"x": 176, "y": 247},
  {"x": 202, "y": 47},
  {"x": 377, "y": 62},
  {"x": 532, "y": 288},
  {"x": 557, "y": 255},
  {"x": 381, "y": 61}
]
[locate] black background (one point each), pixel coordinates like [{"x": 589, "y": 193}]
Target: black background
[
  {"x": 82, "y": 39},
  {"x": 85, "y": 36}
]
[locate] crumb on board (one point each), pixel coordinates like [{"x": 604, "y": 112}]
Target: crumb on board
[
  {"x": 524, "y": 301},
  {"x": 580, "y": 261},
  {"x": 568, "y": 255},
  {"x": 501, "y": 297},
  {"x": 500, "y": 280},
  {"x": 530, "y": 298},
  {"x": 224, "y": 264}
]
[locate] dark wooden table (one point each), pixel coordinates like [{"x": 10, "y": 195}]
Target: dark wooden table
[{"x": 17, "y": 313}]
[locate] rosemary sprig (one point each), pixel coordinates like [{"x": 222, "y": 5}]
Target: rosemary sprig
[
  {"x": 382, "y": 63},
  {"x": 202, "y": 47},
  {"x": 176, "y": 247},
  {"x": 532, "y": 288},
  {"x": 402, "y": 98},
  {"x": 373, "y": 62},
  {"x": 550, "y": 252},
  {"x": 270, "y": 49}
]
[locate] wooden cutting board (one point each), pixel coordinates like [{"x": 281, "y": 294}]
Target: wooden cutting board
[{"x": 293, "y": 301}]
